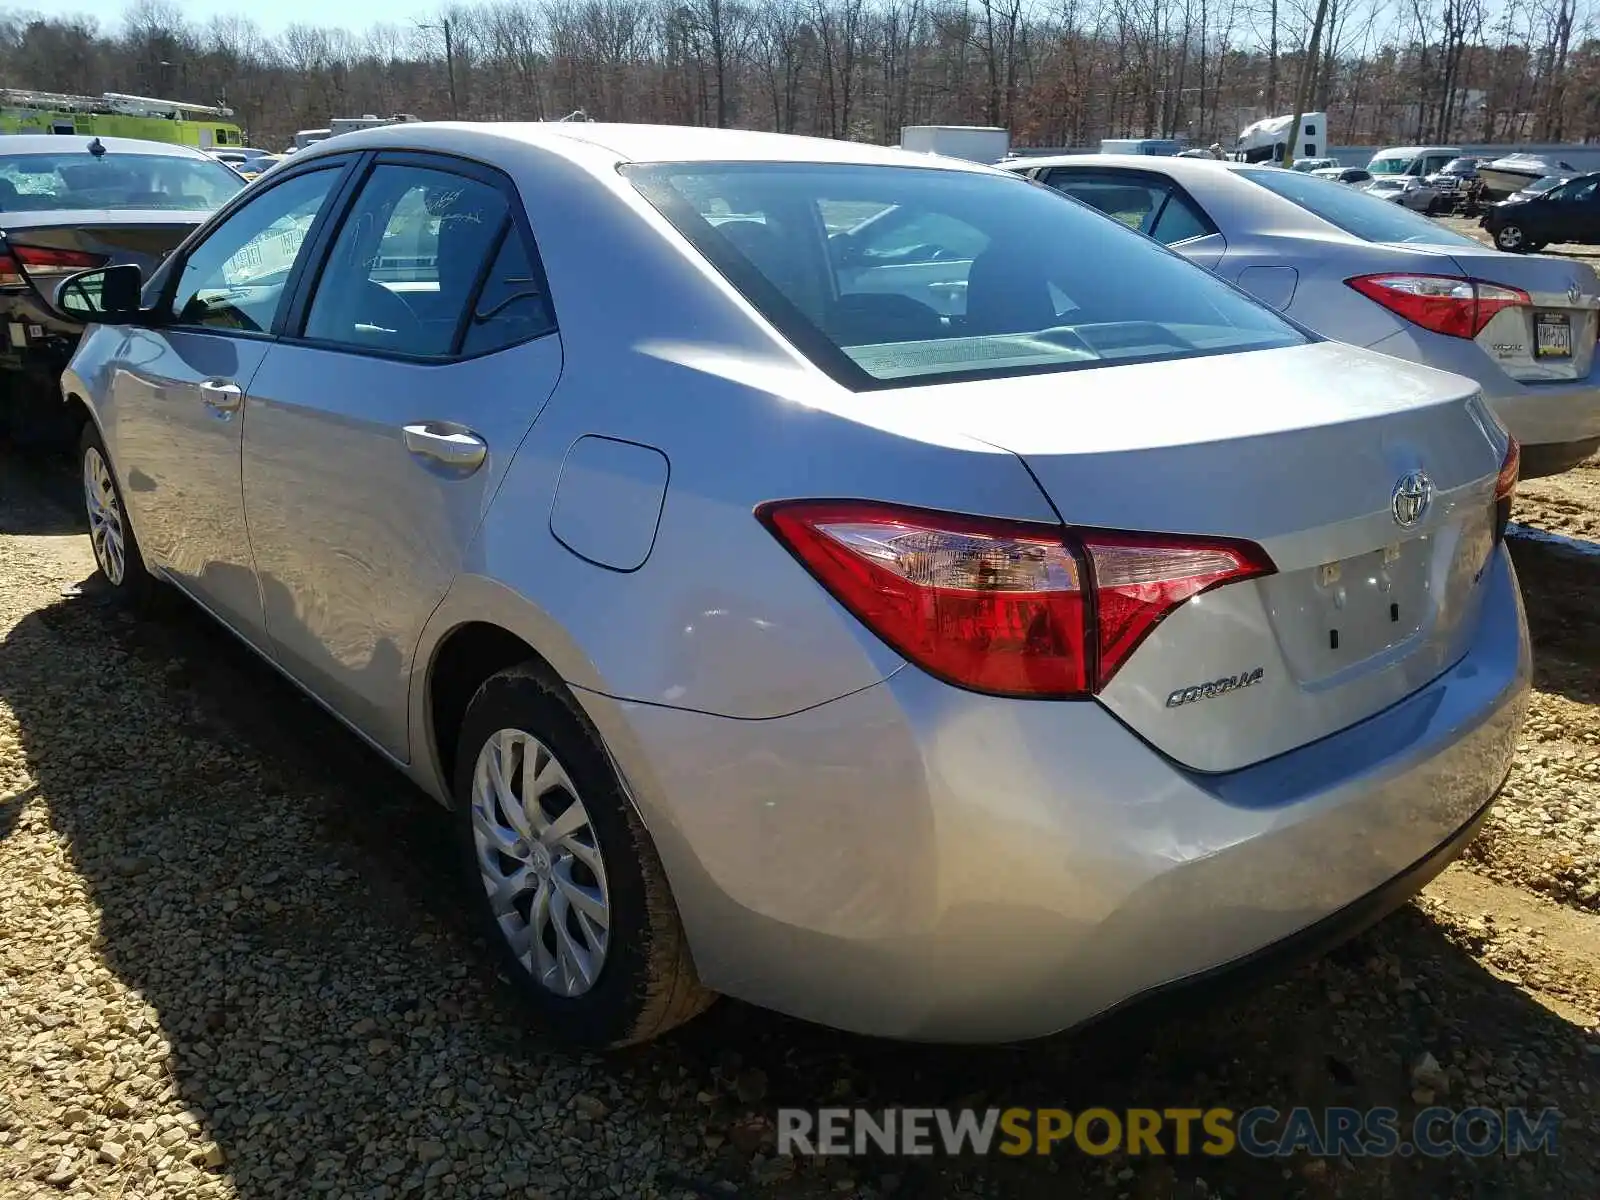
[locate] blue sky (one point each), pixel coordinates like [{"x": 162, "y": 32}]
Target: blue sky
[{"x": 275, "y": 16}]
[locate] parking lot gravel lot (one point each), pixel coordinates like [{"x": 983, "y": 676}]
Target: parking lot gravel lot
[{"x": 233, "y": 963}]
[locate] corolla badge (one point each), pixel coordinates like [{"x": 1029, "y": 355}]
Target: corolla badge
[
  {"x": 1217, "y": 687},
  {"x": 1412, "y": 495}
]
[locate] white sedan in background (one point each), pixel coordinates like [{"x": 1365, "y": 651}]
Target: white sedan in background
[
  {"x": 1358, "y": 270},
  {"x": 1409, "y": 192}
]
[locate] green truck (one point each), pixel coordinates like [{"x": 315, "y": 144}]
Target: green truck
[{"x": 113, "y": 114}]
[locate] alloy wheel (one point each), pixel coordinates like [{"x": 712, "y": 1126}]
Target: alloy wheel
[
  {"x": 1509, "y": 237},
  {"x": 105, "y": 517},
  {"x": 540, "y": 862}
]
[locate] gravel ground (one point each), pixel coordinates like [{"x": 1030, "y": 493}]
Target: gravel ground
[{"x": 233, "y": 965}]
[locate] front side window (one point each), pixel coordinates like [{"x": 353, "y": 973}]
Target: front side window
[
  {"x": 114, "y": 180},
  {"x": 406, "y": 263},
  {"x": 1039, "y": 284},
  {"x": 1356, "y": 211},
  {"x": 236, "y": 278},
  {"x": 1579, "y": 191}
]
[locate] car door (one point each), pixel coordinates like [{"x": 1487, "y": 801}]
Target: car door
[
  {"x": 179, "y": 388},
  {"x": 1148, "y": 202},
  {"x": 379, "y": 426},
  {"x": 1581, "y": 211}
]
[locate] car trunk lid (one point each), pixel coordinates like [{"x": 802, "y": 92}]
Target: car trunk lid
[
  {"x": 1301, "y": 451},
  {"x": 141, "y": 237},
  {"x": 1551, "y": 338}
]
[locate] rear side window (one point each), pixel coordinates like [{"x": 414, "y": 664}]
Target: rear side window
[
  {"x": 407, "y": 262},
  {"x": 891, "y": 275},
  {"x": 1356, "y": 212},
  {"x": 1150, "y": 206},
  {"x": 514, "y": 305}
]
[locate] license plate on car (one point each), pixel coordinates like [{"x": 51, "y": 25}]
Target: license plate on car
[{"x": 1552, "y": 335}]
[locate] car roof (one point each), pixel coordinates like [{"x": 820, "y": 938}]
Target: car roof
[
  {"x": 77, "y": 143},
  {"x": 1178, "y": 168},
  {"x": 584, "y": 141},
  {"x": 1397, "y": 151}
]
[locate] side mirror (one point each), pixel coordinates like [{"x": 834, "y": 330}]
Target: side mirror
[{"x": 104, "y": 296}]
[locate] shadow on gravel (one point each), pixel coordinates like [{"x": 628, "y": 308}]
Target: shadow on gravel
[
  {"x": 1561, "y": 592},
  {"x": 38, "y": 492},
  {"x": 285, "y": 903}
]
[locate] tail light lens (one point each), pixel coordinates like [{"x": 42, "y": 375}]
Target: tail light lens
[
  {"x": 1443, "y": 303},
  {"x": 1505, "y": 485},
  {"x": 1004, "y": 607},
  {"x": 43, "y": 262}
]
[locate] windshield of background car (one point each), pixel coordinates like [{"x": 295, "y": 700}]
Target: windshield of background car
[
  {"x": 1361, "y": 213},
  {"x": 1548, "y": 183},
  {"x": 886, "y": 275},
  {"x": 1461, "y": 166},
  {"x": 1390, "y": 166},
  {"x": 114, "y": 180}
]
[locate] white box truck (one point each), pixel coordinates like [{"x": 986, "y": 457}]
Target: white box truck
[{"x": 976, "y": 143}]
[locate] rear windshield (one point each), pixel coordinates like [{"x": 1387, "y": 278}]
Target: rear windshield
[
  {"x": 53, "y": 182},
  {"x": 1366, "y": 216},
  {"x": 887, "y": 275}
]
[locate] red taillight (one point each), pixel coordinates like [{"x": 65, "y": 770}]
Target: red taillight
[
  {"x": 43, "y": 261},
  {"x": 1006, "y": 607},
  {"x": 1443, "y": 303},
  {"x": 1505, "y": 483}
]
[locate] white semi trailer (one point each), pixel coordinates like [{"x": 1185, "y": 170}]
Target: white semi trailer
[{"x": 976, "y": 143}]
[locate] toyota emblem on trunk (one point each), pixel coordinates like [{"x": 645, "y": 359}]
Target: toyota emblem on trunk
[
  {"x": 1574, "y": 293},
  {"x": 1411, "y": 498}
]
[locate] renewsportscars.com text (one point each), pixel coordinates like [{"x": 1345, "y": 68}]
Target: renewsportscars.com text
[{"x": 1261, "y": 1132}]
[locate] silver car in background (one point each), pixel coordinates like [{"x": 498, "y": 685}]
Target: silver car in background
[
  {"x": 860, "y": 582},
  {"x": 1372, "y": 274}
]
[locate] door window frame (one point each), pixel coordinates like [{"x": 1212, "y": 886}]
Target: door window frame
[
  {"x": 167, "y": 280},
  {"x": 1148, "y": 179},
  {"x": 296, "y": 312}
]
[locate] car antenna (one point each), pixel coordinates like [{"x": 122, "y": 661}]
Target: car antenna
[{"x": 97, "y": 148}]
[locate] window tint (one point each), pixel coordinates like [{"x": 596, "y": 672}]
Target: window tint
[
  {"x": 1578, "y": 190},
  {"x": 1357, "y": 211},
  {"x": 1050, "y": 286},
  {"x": 1133, "y": 203},
  {"x": 404, "y": 267},
  {"x": 513, "y": 306},
  {"x": 1150, "y": 207},
  {"x": 1178, "y": 222},
  {"x": 235, "y": 278}
]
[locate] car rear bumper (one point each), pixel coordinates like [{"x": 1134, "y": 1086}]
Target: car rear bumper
[
  {"x": 917, "y": 861},
  {"x": 1555, "y": 414}
]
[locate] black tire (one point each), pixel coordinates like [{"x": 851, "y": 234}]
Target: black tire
[
  {"x": 123, "y": 577},
  {"x": 646, "y": 983}
]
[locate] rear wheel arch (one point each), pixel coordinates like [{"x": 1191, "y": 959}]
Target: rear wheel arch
[{"x": 465, "y": 658}]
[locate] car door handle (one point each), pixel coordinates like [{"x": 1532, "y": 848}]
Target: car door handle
[
  {"x": 459, "y": 449},
  {"x": 223, "y": 397}
]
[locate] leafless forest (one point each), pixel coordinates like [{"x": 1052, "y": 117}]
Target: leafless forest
[{"x": 1056, "y": 72}]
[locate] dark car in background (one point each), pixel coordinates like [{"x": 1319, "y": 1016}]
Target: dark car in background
[
  {"x": 1354, "y": 175},
  {"x": 1568, "y": 212},
  {"x": 1455, "y": 176},
  {"x": 69, "y": 204}
]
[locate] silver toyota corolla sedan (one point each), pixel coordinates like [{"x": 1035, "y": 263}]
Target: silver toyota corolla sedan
[
  {"x": 863, "y": 583},
  {"x": 1359, "y": 269}
]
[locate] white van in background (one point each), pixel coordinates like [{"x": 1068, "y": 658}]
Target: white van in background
[{"x": 1411, "y": 160}]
